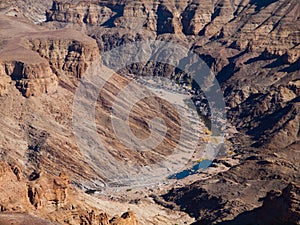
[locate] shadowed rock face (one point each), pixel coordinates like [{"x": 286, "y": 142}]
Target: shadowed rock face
[
  {"x": 278, "y": 208},
  {"x": 238, "y": 196}
]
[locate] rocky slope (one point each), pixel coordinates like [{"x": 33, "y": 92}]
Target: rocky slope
[
  {"x": 279, "y": 207},
  {"x": 233, "y": 37},
  {"x": 34, "y": 63},
  {"x": 246, "y": 184},
  {"x": 40, "y": 71},
  {"x": 50, "y": 197},
  {"x": 252, "y": 47},
  {"x": 32, "y": 10}
]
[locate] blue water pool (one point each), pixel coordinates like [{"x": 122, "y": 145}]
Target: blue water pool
[{"x": 185, "y": 173}]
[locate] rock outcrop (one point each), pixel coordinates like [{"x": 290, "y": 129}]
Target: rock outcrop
[
  {"x": 50, "y": 197},
  {"x": 82, "y": 13},
  {"x": 126, "y": 218},
  {"x": 40, "y": 59},
  {"x": 69, "y": 57},
  {"x": 246, "y": 185},
  {"x": 279, "y": 207},
  {"x": 30, "y": 79}
]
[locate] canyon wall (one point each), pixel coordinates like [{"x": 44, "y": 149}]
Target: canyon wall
[{"x": 252, "y": 47}]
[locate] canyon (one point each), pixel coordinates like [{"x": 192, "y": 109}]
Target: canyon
[{"x": 48, "y": 49}]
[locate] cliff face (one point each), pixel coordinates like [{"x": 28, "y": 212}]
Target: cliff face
[
  {"x": 50, "y": 197},
  {"x": 242, "y": 24},
  {"x": 40, "y": 59},
  {"x": 31, "y": 80},
  {"x": 70, "y": 57},
  {"x": 259, "y": 40},
  {"x": 83, "y": 13}
]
